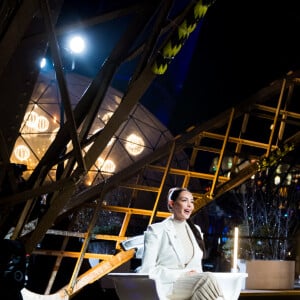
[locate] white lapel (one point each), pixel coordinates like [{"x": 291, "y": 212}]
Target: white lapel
[{"x": 174, "y": 240}]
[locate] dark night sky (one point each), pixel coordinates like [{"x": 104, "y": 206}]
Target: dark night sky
[
  {"x": 239, "y": 48},
  {"x": 242, "y": 46}
]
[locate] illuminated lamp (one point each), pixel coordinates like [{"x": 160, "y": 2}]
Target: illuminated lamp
[
  {"x": 42, "y": 124},
  {"x": 134, "y": 144},
  {"x": 77, "y": 44},
  {"x": 43, "y": 63},
  {"x": 22, "y": 152},
  {"x": 108, "y": 166},
  {"x": 31, "y": 119}
]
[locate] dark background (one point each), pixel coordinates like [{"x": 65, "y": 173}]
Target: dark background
[{"x": 238, "y": 48}]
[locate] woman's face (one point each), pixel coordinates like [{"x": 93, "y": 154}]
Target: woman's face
[{"x": 183, "y": 206}]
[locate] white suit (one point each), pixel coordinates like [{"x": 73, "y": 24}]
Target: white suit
[{"x": 163, "y": 256}]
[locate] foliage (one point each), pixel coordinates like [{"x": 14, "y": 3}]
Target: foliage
[{"x": 271, "y": 216}]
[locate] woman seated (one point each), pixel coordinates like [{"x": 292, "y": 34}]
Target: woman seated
[{"x": 173, "y": 252}]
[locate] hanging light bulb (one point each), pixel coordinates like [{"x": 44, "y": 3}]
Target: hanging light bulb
[
  {"x": 42, "y": 124},
  {"x": 108, "y": 166},
  {"x": 31, "y": 119},
  {"x": 22, "y": 152},
  {"x": 134, "y": 144}
]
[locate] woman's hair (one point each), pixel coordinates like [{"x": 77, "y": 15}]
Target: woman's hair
[
  {"x": 198, "y": 237},
  {"x": 173, "y": 194}
]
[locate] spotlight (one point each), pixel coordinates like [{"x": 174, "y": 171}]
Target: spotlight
[{"x": 76, "y": 44}]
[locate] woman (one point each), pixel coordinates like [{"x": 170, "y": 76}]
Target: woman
[{"x": 173, "y": 252}]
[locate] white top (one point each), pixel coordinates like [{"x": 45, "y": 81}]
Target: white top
[{"x": 185, "y": 239}]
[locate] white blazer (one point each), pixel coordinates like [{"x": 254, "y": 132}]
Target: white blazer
[{"x": 163, "y": 256}]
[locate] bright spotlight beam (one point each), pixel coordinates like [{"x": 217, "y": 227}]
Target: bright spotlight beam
[{"x": 77, "y": 44}]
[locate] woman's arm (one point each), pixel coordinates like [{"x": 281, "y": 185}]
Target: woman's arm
[
  {"x": 160, "y": 262},
  {"x": 151, "y": 246}
]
